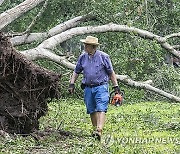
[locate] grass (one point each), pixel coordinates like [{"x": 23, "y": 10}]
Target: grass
[{"x": 144, "y": 127}]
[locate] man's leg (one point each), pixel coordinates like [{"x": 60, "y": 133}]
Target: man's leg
[
  {"x": 100, "y": 120},
  {"x": 90, "y": 105},
  {"x": 102, "y": 99},
  {"x": 94, "y": 120}
]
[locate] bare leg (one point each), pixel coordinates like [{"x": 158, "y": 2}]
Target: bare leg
[
  {"x": 100, "y": 120},
  {"x": 94, "y": 120}
]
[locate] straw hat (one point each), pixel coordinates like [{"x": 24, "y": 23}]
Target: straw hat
[{"x": 90, "y": 40}]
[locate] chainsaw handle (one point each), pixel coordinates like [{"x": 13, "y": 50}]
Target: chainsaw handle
[{"x": 121, "y": 92}]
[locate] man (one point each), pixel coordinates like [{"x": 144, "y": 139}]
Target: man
[{"x": 97, "y": 70}]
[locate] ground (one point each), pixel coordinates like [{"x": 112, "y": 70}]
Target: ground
[{"x": 142, "y": 127}]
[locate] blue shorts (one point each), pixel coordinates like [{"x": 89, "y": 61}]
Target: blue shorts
[{"x": 96, "y": 98}]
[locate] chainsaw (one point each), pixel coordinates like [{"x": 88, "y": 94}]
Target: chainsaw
[{"x": 116, "y": 98}]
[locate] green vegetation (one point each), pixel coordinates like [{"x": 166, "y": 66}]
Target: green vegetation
[
  {"x": 144, "y": 127},
  {"x": 136, "y": 127}
]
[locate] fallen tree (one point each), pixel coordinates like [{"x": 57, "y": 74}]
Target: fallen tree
[{"x": 25, "y": 90}]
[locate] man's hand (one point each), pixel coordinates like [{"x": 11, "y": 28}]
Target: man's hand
[
  {"x": 71, "y": 88},
  {"x": 116, "y": 89}
]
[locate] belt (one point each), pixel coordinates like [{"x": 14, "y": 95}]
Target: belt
[{"x": 95, "y": 85}]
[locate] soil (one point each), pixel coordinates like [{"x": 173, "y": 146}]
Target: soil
[{"x": 25, "y": 90}]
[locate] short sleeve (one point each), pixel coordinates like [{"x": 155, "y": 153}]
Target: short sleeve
[
  {"x": 78, "y": 69},
  {"x": 108, "y": 65}
]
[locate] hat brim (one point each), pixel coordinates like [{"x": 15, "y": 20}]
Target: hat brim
[{"x": 84, "y": 41}]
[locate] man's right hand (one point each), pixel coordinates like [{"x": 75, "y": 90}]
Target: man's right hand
[
  {"x": 71, "y": 88},
  {"x": 116, "y": 89}
]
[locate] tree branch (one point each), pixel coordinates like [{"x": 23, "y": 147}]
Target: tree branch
[
  {"x": 57, "y": 39},
  {"x": 19, "y": 40},
  {"x": 1, "y": 1},
  {"x": 176, "y": 46},
  {"x": 10, "y": 15},
  {"x": 144, "y": 85},
  {"x": 40, "y": 53},
  {"x": 70, "y": 24},
  {"x": 172, "y": 35},
  {"x": 24, "y": 39}
]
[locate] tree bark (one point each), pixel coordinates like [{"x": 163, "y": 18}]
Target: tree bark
[
  {"x": 12, "y": 14},
  {"x": 28, "y": 38},
  {"x": 172, "y": 35}
]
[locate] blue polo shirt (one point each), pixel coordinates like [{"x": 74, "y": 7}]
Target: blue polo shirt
[{"x": 96, "y": 69}]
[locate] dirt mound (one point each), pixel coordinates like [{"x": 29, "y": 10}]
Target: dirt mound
[{"x": 25, "y": 90}]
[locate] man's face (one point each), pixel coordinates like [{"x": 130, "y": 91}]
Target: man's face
[{"x": 89, "y": 48}]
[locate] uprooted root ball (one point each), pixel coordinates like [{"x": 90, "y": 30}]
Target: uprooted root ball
[{"x": 25, "y": 90}]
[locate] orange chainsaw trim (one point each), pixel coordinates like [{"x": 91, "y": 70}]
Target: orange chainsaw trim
[{"x": 117, "y": 99}]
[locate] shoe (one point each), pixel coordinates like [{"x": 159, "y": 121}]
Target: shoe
[{"x": 97, "y": 134}]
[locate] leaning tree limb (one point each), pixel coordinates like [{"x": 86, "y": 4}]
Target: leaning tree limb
[
  {"x": 46, "y": 53},
  {"x": 1, "y": 1},
  {"x": 52, "y": 42},
  {"x": 56, "y": 33},
  {"x": 176, "y": 46},
  {"x": 24, "y": 39},
  {"x": 172, "y": 35},
  {"x": 41, "y": 53},
  {"x": 125, "y": 79},
  {"x": 12, "y": 14}
]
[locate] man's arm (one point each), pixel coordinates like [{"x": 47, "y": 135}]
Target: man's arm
[
  {"x": 74, "y": 78},
  {"x": 114, "y": 82},
  {"x": 72, "y": 81},
  {"x": 113, "y": 79}
]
